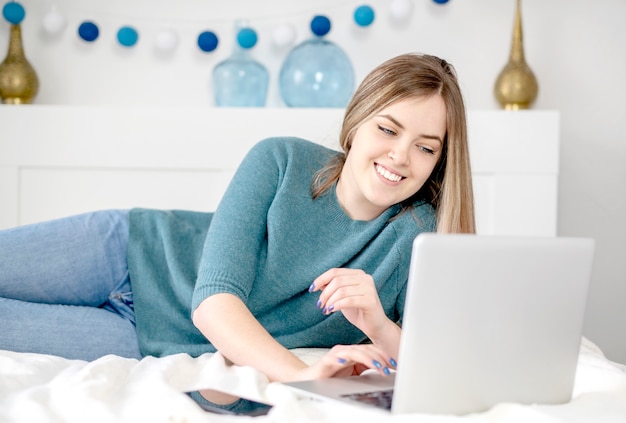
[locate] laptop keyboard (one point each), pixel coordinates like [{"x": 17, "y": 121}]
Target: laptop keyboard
[{"x": 381, "y": 399}]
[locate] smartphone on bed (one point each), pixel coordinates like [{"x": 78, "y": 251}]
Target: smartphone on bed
[{"x": 254, "y": 409}]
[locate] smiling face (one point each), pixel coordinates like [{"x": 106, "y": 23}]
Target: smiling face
[{"x": 392, "y": 155}]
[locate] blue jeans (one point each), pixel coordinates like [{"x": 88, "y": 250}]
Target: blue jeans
[{"x": 65, "y": 288}]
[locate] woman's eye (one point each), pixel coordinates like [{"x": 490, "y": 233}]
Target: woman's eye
[
  {"x": 387, "y": 131},
  {"x": 426, "y": 149}
]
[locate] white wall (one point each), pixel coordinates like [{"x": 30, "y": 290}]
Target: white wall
[{"x": 577, "y": 49}]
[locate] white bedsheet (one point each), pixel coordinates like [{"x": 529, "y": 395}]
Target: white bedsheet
[{"x": 40, "y": 388}]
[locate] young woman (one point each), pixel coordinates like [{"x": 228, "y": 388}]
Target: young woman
[{"x": 308, "y": 247}]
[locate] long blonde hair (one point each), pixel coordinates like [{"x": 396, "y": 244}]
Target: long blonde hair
[{"x": 449, "y": 188}]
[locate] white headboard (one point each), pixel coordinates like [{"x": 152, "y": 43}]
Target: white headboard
[{"x": 61, "y": 160}]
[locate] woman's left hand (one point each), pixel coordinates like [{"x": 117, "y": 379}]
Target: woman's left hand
[{"x": 353, "y": 292}]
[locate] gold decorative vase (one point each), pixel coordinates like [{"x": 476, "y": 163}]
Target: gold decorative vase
[
  {"x": 516, "y": 86},
  {"x": 18, "y": 80}
]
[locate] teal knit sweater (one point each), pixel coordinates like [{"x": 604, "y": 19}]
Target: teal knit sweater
[{"x": 266, "y": 243}]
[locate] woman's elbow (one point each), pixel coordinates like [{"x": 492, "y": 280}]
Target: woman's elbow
[{"x": 212, "y": 309}]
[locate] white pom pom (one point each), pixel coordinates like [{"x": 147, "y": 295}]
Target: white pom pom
[
  {"x": 284, "y": 35},
  {"x": 400, "y": 9},
  {"x": 166, "y": 40},
  {"x": 54, "y": 22}
]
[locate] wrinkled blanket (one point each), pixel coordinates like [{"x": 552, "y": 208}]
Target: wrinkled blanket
[{"x": 42, "y": 388}]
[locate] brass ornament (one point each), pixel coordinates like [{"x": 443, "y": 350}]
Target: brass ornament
[
  {"x": 18, "y": 81},
  {"x": 516, "y": 86}
]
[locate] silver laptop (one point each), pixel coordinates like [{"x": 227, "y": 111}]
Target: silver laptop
[{"x": 488, "y": 319}]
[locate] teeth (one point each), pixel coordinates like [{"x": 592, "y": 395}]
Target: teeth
[{"x": 388, "y": 175}]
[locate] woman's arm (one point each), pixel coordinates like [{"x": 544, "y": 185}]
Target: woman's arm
[
  {"x": 241, "y": 339},
  {"x": 226, "y": 321}
]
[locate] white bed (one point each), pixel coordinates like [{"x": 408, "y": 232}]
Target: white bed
[
  {"x": 40, "y": 388},
  {"x": 57, "y": 160}
]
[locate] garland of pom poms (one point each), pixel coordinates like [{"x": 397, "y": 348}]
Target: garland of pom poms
[{"x": 166, "y": 39}]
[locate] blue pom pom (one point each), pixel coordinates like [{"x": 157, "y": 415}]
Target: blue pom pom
[
  {"x": 88, "y": 31},
  {"x": 13, "y": 12},
  {"x": 127, "y": 36},
  {"x": 320, "y": 25},
  {"x": 364, "y": 15},
  {"x": 247, "y": 38},
  {"x": 207, "y": 41},
  {"x": 441, "y": 1}
]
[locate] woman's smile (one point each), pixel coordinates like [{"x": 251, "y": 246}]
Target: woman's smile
[{"x": 387, "y": 174}]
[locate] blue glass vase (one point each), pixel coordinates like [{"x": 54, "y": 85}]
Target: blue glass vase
[
  {"x": 241, "y": 81},
  {"x": 316, "y": 73}
]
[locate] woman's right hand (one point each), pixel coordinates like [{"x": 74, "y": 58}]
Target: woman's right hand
[{"x": 347, "y": 360}]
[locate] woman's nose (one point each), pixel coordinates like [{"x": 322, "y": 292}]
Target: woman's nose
[{"x": 399, "y": 154}]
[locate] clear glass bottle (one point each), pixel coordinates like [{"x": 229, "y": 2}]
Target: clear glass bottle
[
  {"x": 317, "y": 73},
  {"x": 241, "y": 81}
]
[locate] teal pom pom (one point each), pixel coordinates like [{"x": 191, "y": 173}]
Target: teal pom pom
[
  {"x": 127, "y": 36},
  {"x": 13, "y": 12},
  {"x": 247, "y": 38},
  {"x": 364, "y": 15}
]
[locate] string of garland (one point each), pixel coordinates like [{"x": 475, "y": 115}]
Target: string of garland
[{"x": 166, "y": 39}]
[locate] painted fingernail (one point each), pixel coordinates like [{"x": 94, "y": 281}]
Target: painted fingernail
[
  {"x": 377, "y": 364},
  {"x": 312, "y": 287},
  {"x": 341, "y": 360},
  {"x": 328, "y": 309},
  {"x": 319, "y": 303},
  {"x": 393, "y": 362},
  {"x": 386, "y": 371}
]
